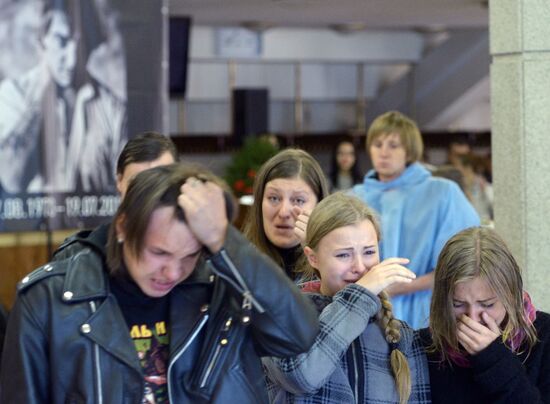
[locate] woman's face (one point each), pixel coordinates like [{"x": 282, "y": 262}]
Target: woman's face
[
  {"x": 283, "y": 201},
  {"x": 169, "y": 255},
  {"x": 388, "y": 156},
  {"x": 475, "y": 296},
  {"x": 344, "y": 255},
  {"x": 345, "y": 156}
]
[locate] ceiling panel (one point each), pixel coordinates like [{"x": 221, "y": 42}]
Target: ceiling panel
[{"x": 370, "y": 14}]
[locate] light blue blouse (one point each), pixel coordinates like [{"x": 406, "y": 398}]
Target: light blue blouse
[{"x": 418, "y": 214}]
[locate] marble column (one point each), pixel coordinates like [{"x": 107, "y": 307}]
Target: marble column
[{"x": 520, "y": 102}]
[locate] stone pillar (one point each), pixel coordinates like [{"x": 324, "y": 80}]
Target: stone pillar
[{"x": 520, "y": 102}]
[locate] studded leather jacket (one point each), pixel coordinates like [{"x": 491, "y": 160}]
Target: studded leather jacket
[{"x": 67, "y": 341}]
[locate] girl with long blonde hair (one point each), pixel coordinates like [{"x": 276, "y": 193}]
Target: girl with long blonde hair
[
  {"x": 486, "y": 342},
  {"x": 362, "y": 353}
]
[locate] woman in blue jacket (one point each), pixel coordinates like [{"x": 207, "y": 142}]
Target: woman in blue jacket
[{"x": 418, "y": 212}]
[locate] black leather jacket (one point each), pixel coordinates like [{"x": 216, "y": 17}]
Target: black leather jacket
[{"x": 67, "y": 340}]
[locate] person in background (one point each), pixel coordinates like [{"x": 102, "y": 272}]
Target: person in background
[
  {"x": 362, "y": 354},
  {"x": 486, "y": 342},
  {"x": 458, "y": 147},
  {"x": 286, "y": 189},
  {"x": 145, "y": 150},
  {"x": 449, "y": 172},
  {"x": 177, "y": 306},
  {"x": 344, "y": 169},
  {"x": 478, "y": 190},
  {"x": 418, "y": 212}
]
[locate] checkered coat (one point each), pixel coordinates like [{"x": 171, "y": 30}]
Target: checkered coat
[{"x": 350, "y": 359}]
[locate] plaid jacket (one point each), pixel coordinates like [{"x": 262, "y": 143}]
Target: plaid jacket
[{"x": 350, "y": 359}]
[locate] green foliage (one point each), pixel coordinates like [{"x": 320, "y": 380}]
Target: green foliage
[{"x": 246, "y": 162}]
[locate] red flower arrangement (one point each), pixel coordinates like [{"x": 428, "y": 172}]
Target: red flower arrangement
[{"x": 242, "y": 170}]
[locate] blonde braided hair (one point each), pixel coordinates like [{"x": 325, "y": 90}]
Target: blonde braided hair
[
  {"x": 398, "y": 361},
  {"x": 339, "y": 210}
]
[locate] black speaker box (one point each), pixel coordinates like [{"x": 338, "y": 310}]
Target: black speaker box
[
  {"x": 250, "y": 113},
  {"x": 179, "y": 50}
]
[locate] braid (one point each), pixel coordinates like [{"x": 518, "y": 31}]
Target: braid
[
  {"x": 398, "y": 361},
  {"x": 389, "y": 324}
]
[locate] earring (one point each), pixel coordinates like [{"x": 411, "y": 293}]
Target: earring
[{"x": 120, "y": 240}]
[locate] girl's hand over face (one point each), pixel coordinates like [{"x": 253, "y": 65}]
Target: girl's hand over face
[
  {"x": 475, "y": 337},
  {"x": 300, "y": 225},
  {"x": 386, "y": 273}
]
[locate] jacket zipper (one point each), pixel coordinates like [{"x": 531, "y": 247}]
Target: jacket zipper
[
  {"x": 97, "y": 365},
  {"x": 210, "y": 366},
  {"x": 248, "y": 298},
  {"x": 192, "y": 337},
  {"x": 355, "y": 371},
  {"x": 223, "y": 341}
]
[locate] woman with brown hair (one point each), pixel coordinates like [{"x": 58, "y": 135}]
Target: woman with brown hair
[
  {"x": 486, "y": 342},
  {"x": 344, "y": 168},
  {"x": 362, "y": 354},
  {"x": 286, "y": 189}
]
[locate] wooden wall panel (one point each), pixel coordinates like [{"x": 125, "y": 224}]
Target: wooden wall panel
[
  {"x": 21, "y": 253},
  {"x": 15, "y": 263}
]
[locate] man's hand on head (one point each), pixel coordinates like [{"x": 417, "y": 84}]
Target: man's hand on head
[{"x": 205, "y": 212}]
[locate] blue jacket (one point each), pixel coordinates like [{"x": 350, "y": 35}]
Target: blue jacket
[{"x": 418, "y": 214}]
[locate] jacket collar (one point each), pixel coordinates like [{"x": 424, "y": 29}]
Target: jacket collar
[
  {"x": 107, "y": 328},
  {"x": 95, "y": 239},
  {"x": 85, "y": 278},
  {"x": 414, "y": 174}
]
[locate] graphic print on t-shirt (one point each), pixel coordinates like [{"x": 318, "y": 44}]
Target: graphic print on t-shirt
[{"x": 151, "y": 342}]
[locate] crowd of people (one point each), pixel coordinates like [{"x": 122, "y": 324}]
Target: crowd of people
[{"x": 386, "y": 290}]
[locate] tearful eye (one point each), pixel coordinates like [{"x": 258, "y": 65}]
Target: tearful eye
[
  {"x": 159, "y": 253},
  {"x": 273, "y": 199}
]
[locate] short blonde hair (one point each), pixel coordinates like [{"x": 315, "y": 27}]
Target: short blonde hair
[{"x": 409, "y": 134}]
